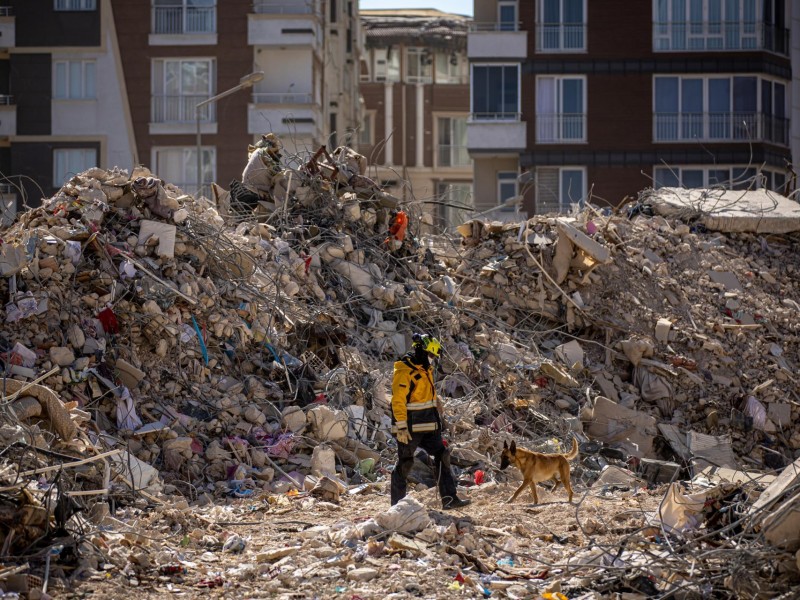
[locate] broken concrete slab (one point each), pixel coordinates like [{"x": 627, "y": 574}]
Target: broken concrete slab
[
  {"x": 730, "y": 211},
  {"x": 631, "y": 429}
]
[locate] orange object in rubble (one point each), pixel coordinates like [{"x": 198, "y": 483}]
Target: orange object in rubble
[{"x": 397, "y": 229}]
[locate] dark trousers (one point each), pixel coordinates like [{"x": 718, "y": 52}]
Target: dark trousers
[{"x": 433, "y": 444}]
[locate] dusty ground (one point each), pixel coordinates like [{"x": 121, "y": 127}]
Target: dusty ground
[{"x": 524, "y": 542}]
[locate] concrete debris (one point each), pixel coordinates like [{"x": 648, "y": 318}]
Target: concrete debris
[{"x": 196, "y": 366}]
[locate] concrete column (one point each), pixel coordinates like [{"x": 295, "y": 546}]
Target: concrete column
[
  {"x": 388, "y": 116},
  {"x": 420, "y": 129}
]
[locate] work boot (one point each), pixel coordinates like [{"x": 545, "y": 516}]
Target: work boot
[{"x": 455, "y": 502}]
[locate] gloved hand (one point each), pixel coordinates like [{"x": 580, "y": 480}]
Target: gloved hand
[{"x": 402, "y": 435}]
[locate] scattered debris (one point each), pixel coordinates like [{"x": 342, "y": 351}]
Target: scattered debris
[{"x": 196, "y": 392}]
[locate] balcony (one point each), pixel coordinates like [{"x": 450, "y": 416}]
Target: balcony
[
  {"x": 497, "y": 40},
  {"x": 719, "y": 37},
  {"x": 560, "y": 37},
  {"x": 8, "y": 116},
  {"x": 285, "y": 114},
  {"x": 720, "y": 127},
  {"x": 284, "y": 7},
  {"x": 284, "y": 23},
  {"x": 562, "y": 128},
  {"x": 175, "y": 114},
  {"x": 7, "y": 27},
  {"x": 501, "y": 133},
  {"x": 184, "y": 25},
  {"x": 453, "y": 156},
  {"x": 279, "y": 98}
]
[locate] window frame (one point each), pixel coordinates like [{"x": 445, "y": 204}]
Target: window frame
[
  {"x": 74, "y": 5},
  {"x": 185, "y": 11},
  {"x": 184, "y": 110},
  {"x": 505, "y": 25},
  {"x": 683, "y": 33},
  {"x": 715, "y": 125},
  {"x": 451, "y": 215},
  {"x": 495, "y": 116},
  {"x": 366, "y": 133},
  {"x": 67, "y": 93},
  {"x": 458, "y": 149},
  {"x": 560, "y": 123},
  {"x": 562, "y": 29},
  {"x": 453, "y": 73},
  {"x": 734, "y": 172},
  {"x": 189, "y": 160},
  {"x": 560, "y": 171},
  {"x": 422, "y": 57},
  {"x": 504, "y": 178},
  {"x": 93, "y": 162}
]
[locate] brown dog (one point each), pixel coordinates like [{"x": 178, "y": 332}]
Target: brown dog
[{"x": 536, "y": 467}]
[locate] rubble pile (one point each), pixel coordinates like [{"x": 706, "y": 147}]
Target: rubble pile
[{"x": 163, "y": 352}]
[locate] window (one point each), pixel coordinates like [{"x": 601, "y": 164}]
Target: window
[
  {"x": 507, "y": 15},
  {"x": 506, "y": 189},
  {"x": 179, "y": 165},
  {"x": 387, "y": 64},
  {"x": 184, "y": 16},
  {"x": 70, "y": 5},
  {"x": 558, "y": 189},
  {"x": 495, "y": 92},
  {"x": 561, "y": 26},
  {"x": 178, "y": 85},
  {"x": 711, "y": 25},
  {"x": 722, "y": 177},
  {"x": 452, "y": 134},
  {"x": 456, "y": 202},
  {"x": 720, "y": 108},
  {"x": 419, "y": 61},
  {"x": 334, "y": 11},
  {"x": 365, "y": 133},
  {"x": 74, "y": 79},
  {"x": 448, "y": 67},
  {"x": 560, "y": 109},
  {"x": 68, "y": 162}
]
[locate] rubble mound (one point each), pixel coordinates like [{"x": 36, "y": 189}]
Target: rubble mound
[{"x": 163, "y": 350}]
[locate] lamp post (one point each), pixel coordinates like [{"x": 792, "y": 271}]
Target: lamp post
[{"x": 245, "y": 82}]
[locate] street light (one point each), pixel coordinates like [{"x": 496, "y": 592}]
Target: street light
[{"x": 245, "y": 82}]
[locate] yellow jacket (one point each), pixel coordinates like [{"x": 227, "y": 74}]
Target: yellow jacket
[{"x": 413, "y": 397}]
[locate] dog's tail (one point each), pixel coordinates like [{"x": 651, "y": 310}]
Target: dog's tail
[{"x": 574, "y": 451}]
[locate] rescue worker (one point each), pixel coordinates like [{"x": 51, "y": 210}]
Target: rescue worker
[{"x": 417, "y": 420}]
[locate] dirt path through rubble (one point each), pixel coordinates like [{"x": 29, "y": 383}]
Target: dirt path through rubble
[{"x": 508, "y": 539}]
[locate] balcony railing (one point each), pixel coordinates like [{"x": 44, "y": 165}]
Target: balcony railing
[
  {"x": 495, "y": 26},
  {"x": 561, "y": 128},
  {"x": 6, "y": 11},
  {"x": 6, "y": 100},
  {"x": 283, "y": 7},
  {"x": 703, "y": 127},
  {"x": 495, "y": 116},
  {"x": 453, "y": 156},
  {"x": 561, "y": 37},
  {"x": 710, "y": 36},
  {"x": 272, "y": 98},
  {"x": 183, "y": 20},
  {"x": 180, "y": 109}
]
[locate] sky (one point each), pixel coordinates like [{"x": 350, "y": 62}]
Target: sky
[{"x": 459, "y": 7}]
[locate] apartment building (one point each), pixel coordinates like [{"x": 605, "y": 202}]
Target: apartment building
[
  {"x": 163, "y": 82},
  {"x": 62, "y": 93},
  {"x": 415, "y": 86},
  {"x": 571, "y": 98}
]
